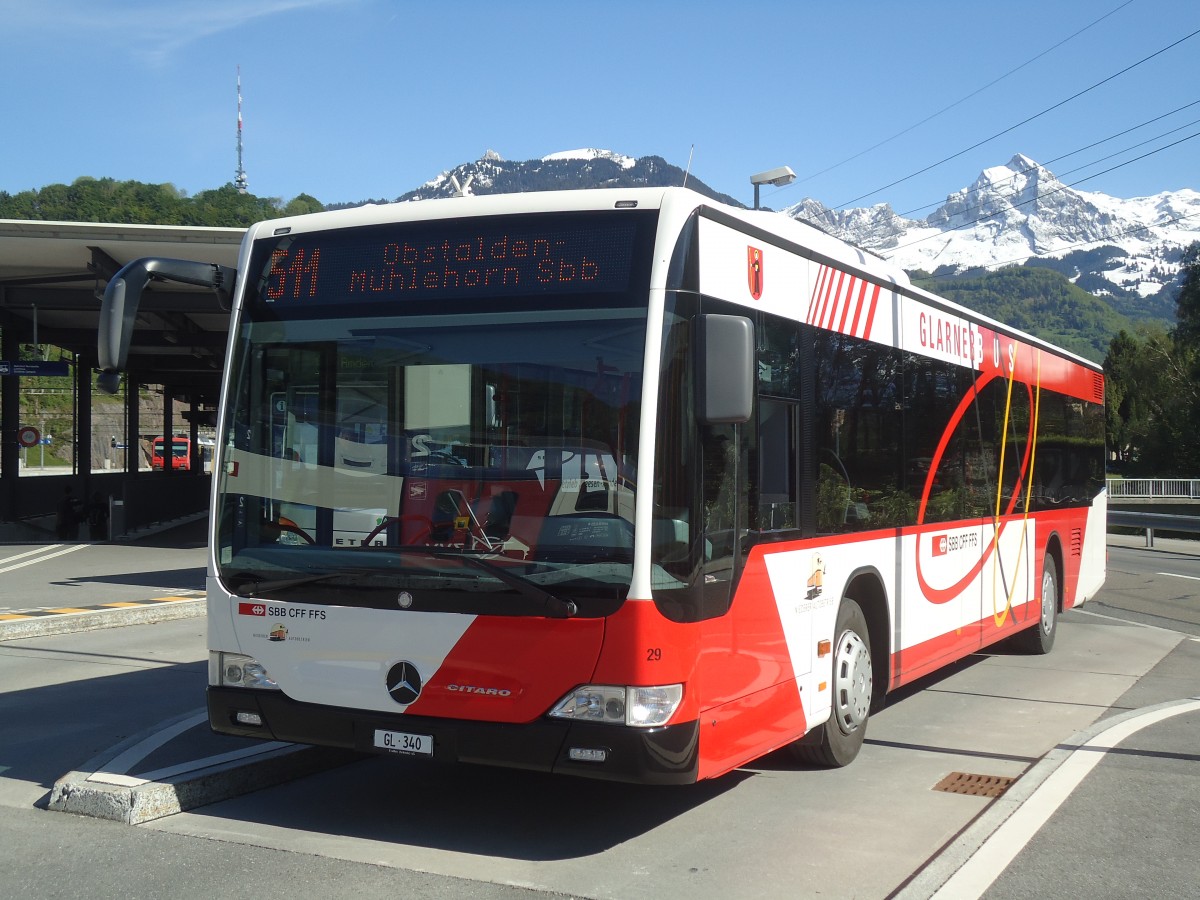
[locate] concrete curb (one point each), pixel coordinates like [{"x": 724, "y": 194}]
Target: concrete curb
[
  {"x": 941, "y": 868},
  {"x": 105, "y": 789},
  {"x": 66, "y": 623}
]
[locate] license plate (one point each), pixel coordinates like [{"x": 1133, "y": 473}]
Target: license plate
[{"x": 403, "y": 742}]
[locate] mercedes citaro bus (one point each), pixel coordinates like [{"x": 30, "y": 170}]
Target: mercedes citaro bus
[{"x": 625, "y": 484}]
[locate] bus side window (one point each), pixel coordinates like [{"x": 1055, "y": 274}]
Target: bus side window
[
  {"x": 724, "y": 507},
  {"x": 859, "y": 430},
  {"x": 777, "y": 466},
  {"x": 774, "y": 458}
]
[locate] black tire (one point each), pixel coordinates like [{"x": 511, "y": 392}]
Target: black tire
[
  {"x": 1038, "y": 640},
  {"x": 836, "y": 743}
]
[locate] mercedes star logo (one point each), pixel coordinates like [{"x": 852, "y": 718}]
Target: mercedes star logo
[{"x": 404, "y": 682}]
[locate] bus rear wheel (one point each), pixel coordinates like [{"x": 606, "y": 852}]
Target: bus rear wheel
[
  {"x": 1039, "y": 639},
  {"x": 837, "y": 741}
]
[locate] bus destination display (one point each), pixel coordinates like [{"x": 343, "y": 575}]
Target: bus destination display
[{"x": 488, "y": 260}]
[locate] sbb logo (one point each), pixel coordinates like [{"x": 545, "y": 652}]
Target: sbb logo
[
  {"x": 941, "y": 544},
  {"x": 251, "y": 609}
]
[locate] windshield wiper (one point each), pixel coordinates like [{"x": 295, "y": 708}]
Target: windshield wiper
[
  {"x": 254, "y": 586},
  {"x": 553, "y": 607}
]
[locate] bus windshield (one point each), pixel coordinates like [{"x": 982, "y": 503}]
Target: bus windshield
[{"x": 470, "y": 457}]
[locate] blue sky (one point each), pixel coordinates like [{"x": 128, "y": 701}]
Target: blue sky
[{"x": 355, "y": 99}]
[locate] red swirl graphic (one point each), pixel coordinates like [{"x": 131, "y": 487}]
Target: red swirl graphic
[{"x": 946, "y": 594}]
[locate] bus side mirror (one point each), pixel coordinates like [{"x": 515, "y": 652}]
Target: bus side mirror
[
  {"x": 725, "y": 352},
  {"x": 118, "y": 309}
]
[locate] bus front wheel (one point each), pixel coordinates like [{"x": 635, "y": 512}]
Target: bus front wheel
[{"x": 837, "y": 741}]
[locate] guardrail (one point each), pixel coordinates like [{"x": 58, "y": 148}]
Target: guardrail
[
  {"x": 1151, "y": 522},
  {"x": 1154, "y": 488}
]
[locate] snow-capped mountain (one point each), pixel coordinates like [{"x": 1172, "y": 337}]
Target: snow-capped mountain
[
  {"x": 566, "y": 170},
  {"x": 625, "y": 162},
  {"x": 1125, "y": 250}
]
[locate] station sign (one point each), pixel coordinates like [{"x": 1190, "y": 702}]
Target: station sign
[{"x": 36, "y": 368}]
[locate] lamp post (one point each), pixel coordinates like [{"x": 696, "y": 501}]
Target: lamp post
[{"x": 778, "y": 177}]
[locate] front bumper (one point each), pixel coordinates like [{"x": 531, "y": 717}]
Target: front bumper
[{"x": 665, "y": 755}]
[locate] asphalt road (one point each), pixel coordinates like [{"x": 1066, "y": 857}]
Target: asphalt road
[
  {"x": 1156, "y": 587},
  {"x": 72, "y": 574},
  {"x": 388, "y": 827}
]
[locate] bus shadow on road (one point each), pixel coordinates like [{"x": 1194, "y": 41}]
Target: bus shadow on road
[
  {"x": 782, "y": 760},
  {"x": 498, "y": 812},
  {"x": 191, "y": 578},
  {"x": 507, "y": 813},
  {"x": 504, "y": 813}
]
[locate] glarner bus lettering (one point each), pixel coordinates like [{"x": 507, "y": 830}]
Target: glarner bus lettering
[{"x": 555, "y": 481}]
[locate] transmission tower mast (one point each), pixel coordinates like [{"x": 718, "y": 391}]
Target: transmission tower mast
[{"x": 240, "y": 182}]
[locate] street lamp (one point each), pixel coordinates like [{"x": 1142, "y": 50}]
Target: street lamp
[{"x": 778, "y": 177}]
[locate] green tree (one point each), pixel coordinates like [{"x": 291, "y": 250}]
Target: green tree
[
  {"x": 303, "y": 204},
  {"x": 133, "y": 202},
  {"x": 1153, "y": 389},
  {"x": 1122, "y": 407},
  {"x": 1146, "y": 423},
  {"x": 1187, "y": 305},
  {"x": 1187, "y": 357}
]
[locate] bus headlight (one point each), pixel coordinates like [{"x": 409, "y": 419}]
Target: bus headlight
[
  {"x": 237, "y": 670},
  {"x": 642, "y": 707}
]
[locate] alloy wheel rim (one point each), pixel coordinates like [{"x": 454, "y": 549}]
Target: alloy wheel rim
[
  {"x": 1048, "y": 602},
  {"x": 852, "y": 682}
]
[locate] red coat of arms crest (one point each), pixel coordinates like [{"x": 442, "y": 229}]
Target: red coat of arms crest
[{"x": 754, "y": 271}]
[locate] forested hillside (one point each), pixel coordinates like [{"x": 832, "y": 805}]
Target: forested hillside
[{"x": 133, "y": 202}]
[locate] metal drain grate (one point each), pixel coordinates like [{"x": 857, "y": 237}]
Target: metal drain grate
[{"x": 974, "y": 785}]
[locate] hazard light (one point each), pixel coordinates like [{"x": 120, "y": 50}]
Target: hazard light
[{"x": 641, "y": 707}]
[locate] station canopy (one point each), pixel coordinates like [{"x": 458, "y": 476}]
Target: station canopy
[{"x": 53, "y": 274}]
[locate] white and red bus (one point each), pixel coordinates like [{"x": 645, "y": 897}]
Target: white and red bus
[{"x": 624, "y": 484}]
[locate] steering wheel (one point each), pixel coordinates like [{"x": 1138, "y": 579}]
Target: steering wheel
[{"x": 293, "y": 528}]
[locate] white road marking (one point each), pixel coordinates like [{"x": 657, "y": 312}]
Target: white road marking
[
  {"x": 1119, "y": 620},
  {"x": 121, "y": 764},
  {"x": 30, "y": 562},
  {"x": 116, "y": 770},
  {"x": 1176, "y": 575},
  {"x": 987, "y": 863},
  {"x": 30, "y": 553}
]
